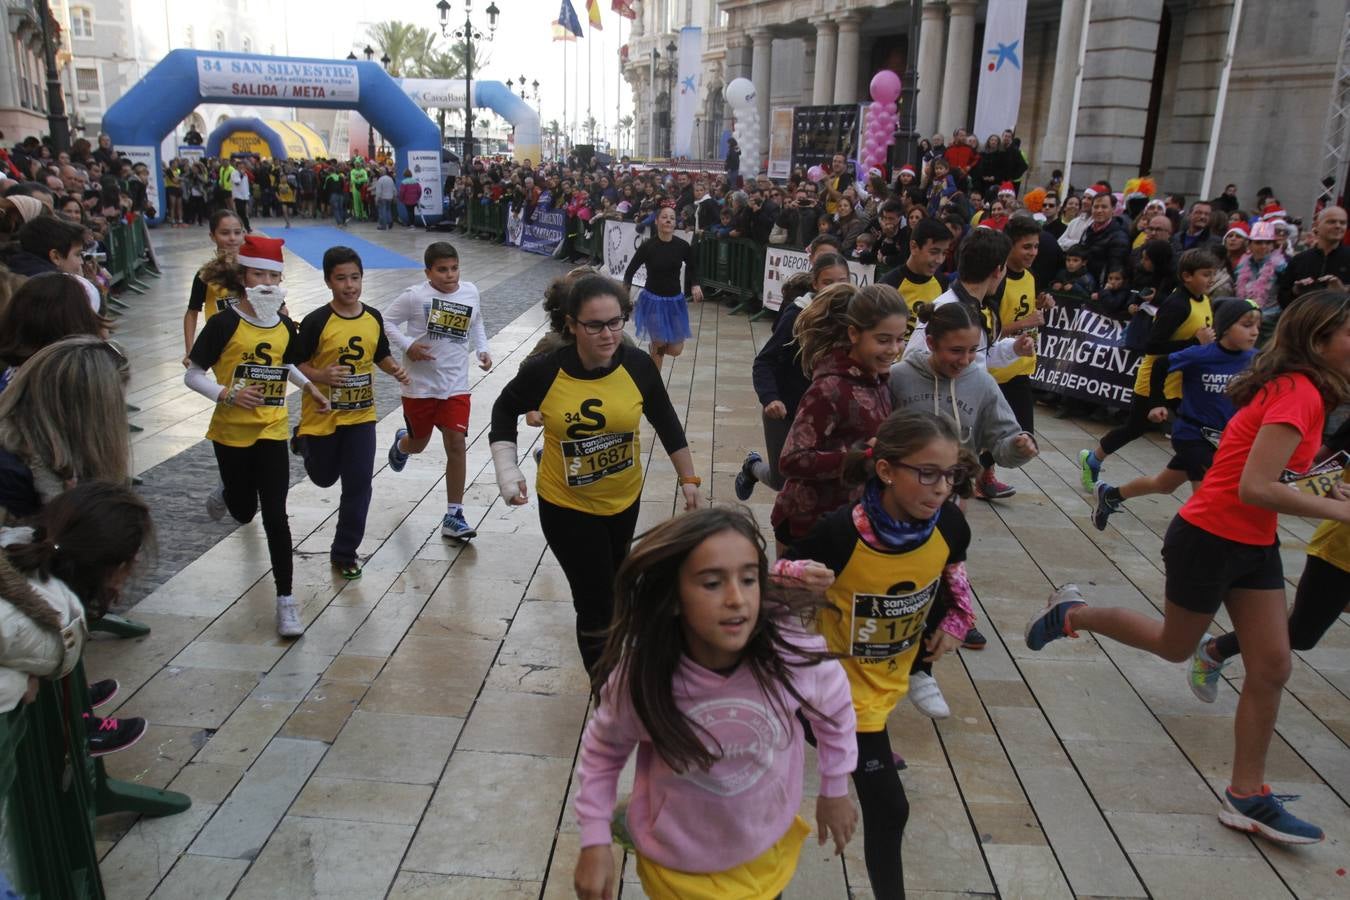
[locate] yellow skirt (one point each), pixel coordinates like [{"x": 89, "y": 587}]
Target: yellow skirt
[{"x": 762, "y": 878}]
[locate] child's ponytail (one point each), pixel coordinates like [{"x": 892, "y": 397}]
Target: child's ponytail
[
  {"x": 940, "y": 321},
  {"x": 824, "y": 325}
]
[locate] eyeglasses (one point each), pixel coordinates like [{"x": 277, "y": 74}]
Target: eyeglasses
[
  {"x": 615, "y": 324},
  {"x": 929, "y": 475}
]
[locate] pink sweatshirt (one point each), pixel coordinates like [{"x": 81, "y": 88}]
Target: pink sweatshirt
[{"x": 715, "y": 820}]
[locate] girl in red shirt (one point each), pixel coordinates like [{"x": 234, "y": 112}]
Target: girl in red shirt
[
  {"x": 848, "y": 338},
  {"x": 1221, "y": 548}
]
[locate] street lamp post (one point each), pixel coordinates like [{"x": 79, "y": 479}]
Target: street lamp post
[
  {"x": 468, "y": 34},
  {"x": 909, "y": 92},
  {"x": 57, "y": 123},
  {"x": 370, "y": 128}
]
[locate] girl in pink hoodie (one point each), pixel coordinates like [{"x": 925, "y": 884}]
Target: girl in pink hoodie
[{"x": 707, "y": 674}]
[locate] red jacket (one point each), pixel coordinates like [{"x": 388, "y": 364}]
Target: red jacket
[
  {"x": 843, "y": 407},
  {"x": 961, "y": 157}
]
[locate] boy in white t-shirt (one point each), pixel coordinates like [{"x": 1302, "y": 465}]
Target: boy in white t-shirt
[{"x": 445, "y": 319}]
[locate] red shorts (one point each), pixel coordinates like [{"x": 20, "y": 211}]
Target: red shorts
[{"x": 424, "y": 413}]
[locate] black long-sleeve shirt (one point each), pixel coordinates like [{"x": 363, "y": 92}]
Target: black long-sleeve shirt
[
  {"x": 1172, "y": 314},
  {"x": 663, "y": 260}
]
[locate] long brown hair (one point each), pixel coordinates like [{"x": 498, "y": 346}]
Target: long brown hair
[
  {"x": 823, "y": 326},
  {"x": 645, "y": 641},
  {"x": 1309, "y": 321},
  {"x": 82, "y": 537},
  {"x": 66, "y": 410},
  {"x": 44, "y": 310},
  {"x": 223, "y": 271}
]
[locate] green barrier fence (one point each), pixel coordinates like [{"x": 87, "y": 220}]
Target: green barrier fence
[
  {"x": 486, "y": 220},
  {"x": 732, "y": 267}
]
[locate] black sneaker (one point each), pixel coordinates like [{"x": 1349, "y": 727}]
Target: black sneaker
[
  {"x": 745, "y": 478},
  {"x": 974, "y": 640},
  {"x": 110, "y": 735},
  {"x": 102, "y": 692}
]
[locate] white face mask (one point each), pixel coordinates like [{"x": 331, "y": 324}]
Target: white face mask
[{"x": 266, "y": 300}]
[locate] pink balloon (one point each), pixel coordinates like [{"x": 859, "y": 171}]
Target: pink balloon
[
  {"x": 815, "y": 173},
  {"x": 885, "y": 86}
]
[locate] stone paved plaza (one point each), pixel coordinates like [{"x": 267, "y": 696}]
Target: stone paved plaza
[{"x": 419, "y": 740}]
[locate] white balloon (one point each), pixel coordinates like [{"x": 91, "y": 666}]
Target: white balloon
[{"x": 740, "y": 93}]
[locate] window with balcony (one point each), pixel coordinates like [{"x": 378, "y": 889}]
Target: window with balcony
[
  {"x": 86, "y": 80},
  {"x": 81, "y": 22},
  {"x": 247, "y": 45},
  {"x": 220, "y": 40},
  {"x": 189, "y": 39}
]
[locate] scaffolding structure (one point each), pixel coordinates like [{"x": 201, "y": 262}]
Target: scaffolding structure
[{"x": 1336, "y": 134}]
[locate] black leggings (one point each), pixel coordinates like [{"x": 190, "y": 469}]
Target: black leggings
[
  {"x": 241, "y": 210},
  {"x": 885, "y": 810},
  {"x": 1322, "y": 594},
  {"x": 1136, "y": 426},
  {"x": 260, "y": 475},
  {"x": 589, "y": 548},
  {"x": 349, "y": 454}
]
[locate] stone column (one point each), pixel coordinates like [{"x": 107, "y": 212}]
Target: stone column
[
  {"x": 931, "y": 34},
  {"x": 956, "y": 74},
  {"x": 761, "y": 68},
  {"x": 846, "y": 66},
  {"x": 822, "y": 90},
  {"x": 1055, "y": 142}
]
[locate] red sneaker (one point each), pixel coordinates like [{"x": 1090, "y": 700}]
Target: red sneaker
[{"x": 990, "y": 488}]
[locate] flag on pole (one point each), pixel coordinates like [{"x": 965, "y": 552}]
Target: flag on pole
[
  {"x": 567, "y": 27},
  {"x": 690, "y": 81},
  {"x": 593, "y": 11},
  {"x": 623, "y": 8},
  {"x": 1000, "y": 94}
]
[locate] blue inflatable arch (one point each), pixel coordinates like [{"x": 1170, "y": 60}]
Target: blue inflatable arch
[
  {"x": 139, "y": 121},
  {"x": 444, "y": 93},
  {"x": 216, "y": 139}
]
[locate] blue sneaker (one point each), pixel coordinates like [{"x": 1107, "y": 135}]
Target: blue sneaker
[
  {"x": 397, "y": 458},
  {"x": 1091, "y": 468},
  {"x": 1049, "y": 624},
  {"x": 1102, "y": 511},
  {"x": 454, "y": 526},
  {"x": 1264, "y": 814},
  {"x": 745, "y": 478}
]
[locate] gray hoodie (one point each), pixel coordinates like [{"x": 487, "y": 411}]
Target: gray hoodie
[{"x": 972, "y": 401}]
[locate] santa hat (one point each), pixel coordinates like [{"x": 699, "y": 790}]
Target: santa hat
[
  {"x": 1238, "y": 227},
  {"x": 1007, "y": 188},
  {"x": 1272, "y": 211},
  {"x": 261, "y": 253},
  {"x": 1090, "y": 192},
  {"x": 907, "y": 168}
]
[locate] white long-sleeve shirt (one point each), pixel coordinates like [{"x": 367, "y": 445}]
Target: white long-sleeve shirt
[{"x": 452, "y": 324}]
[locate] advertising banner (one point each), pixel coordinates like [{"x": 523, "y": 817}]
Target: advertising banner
[
  {"x": 819, "y": 132},
  {"x": 145, "y": 155},
  {"x": 780, "y": 265},
  {"x": 544, "y": 231},
  {"x": 621, "y": 242},
  {"x": 192, "y": 152},
  {"x": 1082, "y": 354},
  {"x": 780, "y": 142},
  {"x": 691, "y": 84},
  {"x": 230, "y": 78},
  {"x": 426, "y": 168}
]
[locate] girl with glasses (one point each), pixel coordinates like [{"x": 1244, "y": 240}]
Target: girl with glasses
[
  {"x": 591, "y": 394},
  {"x": 895, "y": 553}
]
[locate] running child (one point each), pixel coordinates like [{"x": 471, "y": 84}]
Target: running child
[
  {"x": 245, "y": 347},
  {"x": 706, "y": 673},
  {"x": 339, "y": 346},
  {"x": 446, "y": 318},
  {"x": 1323, "y": 593},
  {"x": 779, "y": 380},
  {"x": 215, "y": 286},
  {"x": 1020, "y": 310},
  {"x": 848, "y": 339},
  {"x": 894, "y": 554},
  {"x": 1205, "y": 408},
  {"x": 1185, "y": 319},
  {"x": 661, "y": 316},
  {"x": 1221, "y": 548}
]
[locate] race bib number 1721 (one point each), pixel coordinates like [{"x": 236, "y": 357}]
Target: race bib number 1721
[{"x": 449, "y": 321}]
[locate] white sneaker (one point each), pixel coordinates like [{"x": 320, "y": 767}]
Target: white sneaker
[
  {"x": 927, "y": 696},
  {"x": 215, "y": 503},
  {"x": 288, "y": 617}
]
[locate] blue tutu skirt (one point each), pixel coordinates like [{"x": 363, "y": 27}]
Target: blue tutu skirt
[{"x": 664, "y": 320}]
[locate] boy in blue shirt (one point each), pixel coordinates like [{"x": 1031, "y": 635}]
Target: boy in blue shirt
[{"x": 1205, "y": 408}]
